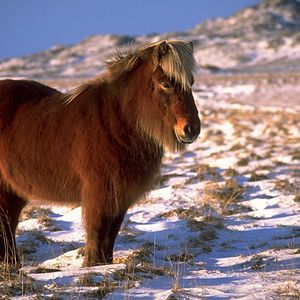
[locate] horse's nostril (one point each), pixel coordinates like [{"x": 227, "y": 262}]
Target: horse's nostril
[
  {"x": 188, "y": 133},
  {"x": 192, "y": 130},
  {"x": 187, "y": 130}
]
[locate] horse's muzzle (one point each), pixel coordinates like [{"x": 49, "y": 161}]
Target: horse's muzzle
[{"x": 188, "y": 133}]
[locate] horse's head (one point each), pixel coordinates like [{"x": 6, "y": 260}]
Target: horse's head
[
  {"x": 157, "y": 87},
  {"x": 169, "y": 113}
]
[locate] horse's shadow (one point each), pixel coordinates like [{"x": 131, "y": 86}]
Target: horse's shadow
[{"x": 36, "y": 246}]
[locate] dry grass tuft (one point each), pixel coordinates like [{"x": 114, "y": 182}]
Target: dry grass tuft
[
  {"x": 32, "y": 212},
  {"x": 196, "y": 225},
  {"x": 231, "y": 173},
  {"x": 14, "y": 282},
  {"x": 183, "y": 213},
  {"x": 209, "y": 234},
  {"x": 230, "y": 191},
  {"x": 289, "y": 290},
  {"x": 150, "y": 270},
  {"x": 296, "y": 156},
  {"x": 34, "y": 241},
  {"x": 86, "y": 280},
  {"x": 285, "y": 185},
  {"x": 138, "y": 267},
  {"x": 128, "y": 237},
  {"x": 183, "y": 257},
  {"x": 237, "y": 146},
  {"x": 206, "y": 172},
  {"x": 257, "y": 262},
  {"x": 297, "y": 198},
  {"x": 106, "y": 286},
  {"x": 141, "y": 255},
  {"x": 225, "y": 195},
  {"x": 41, "y": 214},
  {"x": 44, "y": 270},
  {"x": 45, "y": 220},
  {"x": 243, "y": 162},
  {"x": 196, "y": 217},
  {"x": 257, "y": 177},
  {"x": 199, "y": 244},
  {"x": 216, "y": 222}
]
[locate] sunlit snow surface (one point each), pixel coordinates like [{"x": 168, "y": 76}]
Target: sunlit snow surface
[{"x": 187, "y": 243}]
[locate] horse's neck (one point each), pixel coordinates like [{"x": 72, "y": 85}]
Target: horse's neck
[{"x": 118, "y": 108}]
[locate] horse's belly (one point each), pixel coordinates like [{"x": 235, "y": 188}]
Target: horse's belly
[{"x": 46, "y": 186}]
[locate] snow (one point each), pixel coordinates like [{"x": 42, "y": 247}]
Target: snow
[
  {"x": 181, "y": 242},
  {"x": 236, "y": 89}
]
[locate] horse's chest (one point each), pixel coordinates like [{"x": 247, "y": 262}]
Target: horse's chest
[{"x": 140, "y": 174}]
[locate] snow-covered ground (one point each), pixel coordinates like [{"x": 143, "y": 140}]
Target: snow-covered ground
[{"x": 224, "y": 223}]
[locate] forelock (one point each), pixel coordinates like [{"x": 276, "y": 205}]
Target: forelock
[{"x": 178, "y": 63}]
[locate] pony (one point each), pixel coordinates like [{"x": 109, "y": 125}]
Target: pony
[{"x": 99, "y": 146}]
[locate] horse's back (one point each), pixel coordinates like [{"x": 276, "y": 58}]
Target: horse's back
[
  {"x": 16, "y": 93},
  {"x": 34, "y": 142},
  {"x": 20, "y": 91}
]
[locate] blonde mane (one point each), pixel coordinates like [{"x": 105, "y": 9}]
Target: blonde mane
[
  {"x": 74, "y": 93},
  {"x": 177, "y": 63}
]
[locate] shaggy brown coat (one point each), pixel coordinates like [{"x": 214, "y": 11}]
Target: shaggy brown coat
[{"x": 100, "y": 146}]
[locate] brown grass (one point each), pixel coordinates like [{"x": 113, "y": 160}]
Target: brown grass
[
  {"x": 8, "y": 269},
  {"x": 106, "y": 286},
  {"x": 243, "y": 162},
  {"x": 206, "y": 172},
  {"x": 15, "y": 282},
  {"x": 289, "y": 290},
  {"x": 297, "y": 198},
  {"x": 31, "y": 212},
  {"x": 199, "y": 244},
  {"x": 231, "y": 173},
  {"x": 183, "y": 213},
  {"x": 257, "y": 177},
  {"x": 224, "y": 195},
  {"x": 285, "y": 185},
  {"x": 182, "y": 257}
]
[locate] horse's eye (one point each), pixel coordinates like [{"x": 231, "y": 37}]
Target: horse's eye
[{"x": 166, "y": 85}]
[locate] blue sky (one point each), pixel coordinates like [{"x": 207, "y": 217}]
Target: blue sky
[{"x": 29, "y": 26}]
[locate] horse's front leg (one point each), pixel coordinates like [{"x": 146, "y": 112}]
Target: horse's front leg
[
  {"x": 101, "y": 231},
  {"x": 114, "y": 229}
]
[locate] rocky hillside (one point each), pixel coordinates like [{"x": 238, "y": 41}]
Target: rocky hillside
[{"x": 263, "y": 38}]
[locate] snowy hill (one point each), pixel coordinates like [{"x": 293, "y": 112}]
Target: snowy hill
[{"x": 262, "y": 38}]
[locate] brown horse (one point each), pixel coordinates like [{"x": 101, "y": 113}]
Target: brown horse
[{"x": 99, "y": 146}]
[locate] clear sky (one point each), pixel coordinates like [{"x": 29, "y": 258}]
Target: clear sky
[{"x": 29, "y": 26}]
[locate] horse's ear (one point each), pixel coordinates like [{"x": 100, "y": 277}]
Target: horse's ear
[
  {"x": 162, "y": 49},
  {"x": 191, "y": 44}
]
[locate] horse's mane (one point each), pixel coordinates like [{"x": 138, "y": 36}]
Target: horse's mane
[
  {"x": 74, "y": 93},
  {"x": 177, "y": 64}
]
